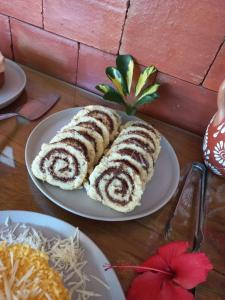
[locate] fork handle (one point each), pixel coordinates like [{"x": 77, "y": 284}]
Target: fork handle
[{"x": 7, "y": 116}]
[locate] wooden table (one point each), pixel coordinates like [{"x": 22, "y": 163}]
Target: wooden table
[{"x": 122, "y": 242}]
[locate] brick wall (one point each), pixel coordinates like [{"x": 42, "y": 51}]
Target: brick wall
[{"x": 75, "y": 40}]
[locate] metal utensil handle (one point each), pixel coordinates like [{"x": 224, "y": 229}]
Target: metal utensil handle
[
  {"x": 200, "y": 213},
  {"x": 167, "y": 228},
  {"x": 7, "y": 116}
]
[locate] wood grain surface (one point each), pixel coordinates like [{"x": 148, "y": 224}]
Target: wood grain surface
[{"x": 122, "y": 242}]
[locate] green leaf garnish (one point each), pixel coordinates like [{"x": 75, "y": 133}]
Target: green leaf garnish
[
  {"x": 114, "y": 96},
  {"x": 143, "y": 78},
  {"x": 149, "y": 90},
  {"x": 117, "y": 80},
  {"x": 121, "y": 78},
  {"x": 147, "y": 99},
  {"x": 125, "y": 65},
  {"x": 104, "y": 88}
]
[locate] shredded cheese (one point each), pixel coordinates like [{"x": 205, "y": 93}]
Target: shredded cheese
[{"x": 65, "y": 255}]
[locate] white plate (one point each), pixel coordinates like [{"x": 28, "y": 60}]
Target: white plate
[
  {"x": 15, "y": 82},
  {"x": 157, "y": 193},
  {"x": 96, "y": 259}
]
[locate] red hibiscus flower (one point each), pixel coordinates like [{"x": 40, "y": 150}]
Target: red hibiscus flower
[{"x": 169, "y": 274}]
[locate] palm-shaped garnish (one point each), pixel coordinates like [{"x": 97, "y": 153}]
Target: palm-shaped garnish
[{"x": 124, "y": 92}]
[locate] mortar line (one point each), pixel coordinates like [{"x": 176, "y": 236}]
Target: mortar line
[
  {"x": 77, "y": 62},
  {"x": 123, "y": 26},
  {"x": 11, "y": 39},
  {"x": 77, "y": 69},
  {"x": 213, "y": 60},
  {"x": 42, "y": 12}
]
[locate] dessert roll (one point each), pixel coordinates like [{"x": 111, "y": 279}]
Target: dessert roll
[
  {"x": 135, "y": 153},
  {"x": 115, "y": 185},
  {"x": 134, "y": 139},
  {"x": 131, "y": 156},
  {"x": 142, "y": 124},
  {"x": 61, "y": 165},
  {"x": 93, "y": 124},
  {"x": 130, "y": 162},
  {"x": 146, "y": 131},
  {"x": 76, "y": 140},
  {"x": 106, "y": 115},
  {"x": 94, "y": 137}
]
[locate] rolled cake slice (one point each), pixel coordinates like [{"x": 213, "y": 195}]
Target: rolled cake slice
[
  {"x": 138, "y": 154},
  {"x": 133, "y": 154},
  {"x": 61, "y": 165},
  {"x": 136, "y": 139},
  {"x": 146, "y": 131},
  {"x": 129, "y": 162},
  {"x": 144, "y": 125},
  {"x": 115, "y": 185},
  {"x": 93, "y": 124},
  {"x": 104, "y": 114},
  {"x": 94, "y": 137},
  {"x": 77, "y": 140}
]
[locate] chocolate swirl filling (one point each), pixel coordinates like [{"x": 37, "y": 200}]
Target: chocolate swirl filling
[
  {"x": 144, "y": 134},
  {"x": 103, "y": 117},
  {"x": 76, "y": 144},
  {"x": 143, "y": 125},
  {"x": 136, "y": 156},
  {"x": 57, "y": 153},
  {"x": 120, "y": 190},
  {"x": 92, "y": 126},
  {"x": 138, "y": 142},
  {"x": 127, "y": 163},
  {"x": 85, "y": 135}
]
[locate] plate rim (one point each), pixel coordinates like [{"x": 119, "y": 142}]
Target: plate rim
[
  {"x": 85, "y": 215},
  {"x": 17, "y": 93},
  {"x": 83, "y": 236}
]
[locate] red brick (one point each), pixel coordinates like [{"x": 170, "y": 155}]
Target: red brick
[
  {"x": 180, "y": 37},
  {"x": 182, "y": 104},
  {"x": 44, "y": 51},
  {"x": 5, "y": 37},
  {"x": 93, "y": 22},
  {"x": 91, "y": 67},
  {"x": 26, "y": 10},
  {"x": 217, "y": 71}
]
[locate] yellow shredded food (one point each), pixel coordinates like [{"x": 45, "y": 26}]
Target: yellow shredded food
[{"x": 25, "y": 274}]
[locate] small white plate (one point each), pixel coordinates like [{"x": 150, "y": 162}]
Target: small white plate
[
  {"x": 15, "y": 82},
  {"x": 157, "y": 193},
  {"x": 96, "y": 259}
]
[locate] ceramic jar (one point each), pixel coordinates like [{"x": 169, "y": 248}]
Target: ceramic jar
[{"x": 214, "y": 140}]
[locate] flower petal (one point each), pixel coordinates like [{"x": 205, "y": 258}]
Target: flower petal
[
  {"x": 154, "y": 286},
  {"x": 190, "y": 269},
  {"x": 156, "y": 262},
  {"x": 171, "y": 250},
  {"x": 175, "y": 292},
  {"x": 146, "y": 286}
]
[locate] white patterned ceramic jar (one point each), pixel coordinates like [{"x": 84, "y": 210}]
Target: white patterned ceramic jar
[{"x": 214, "y": 140}]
